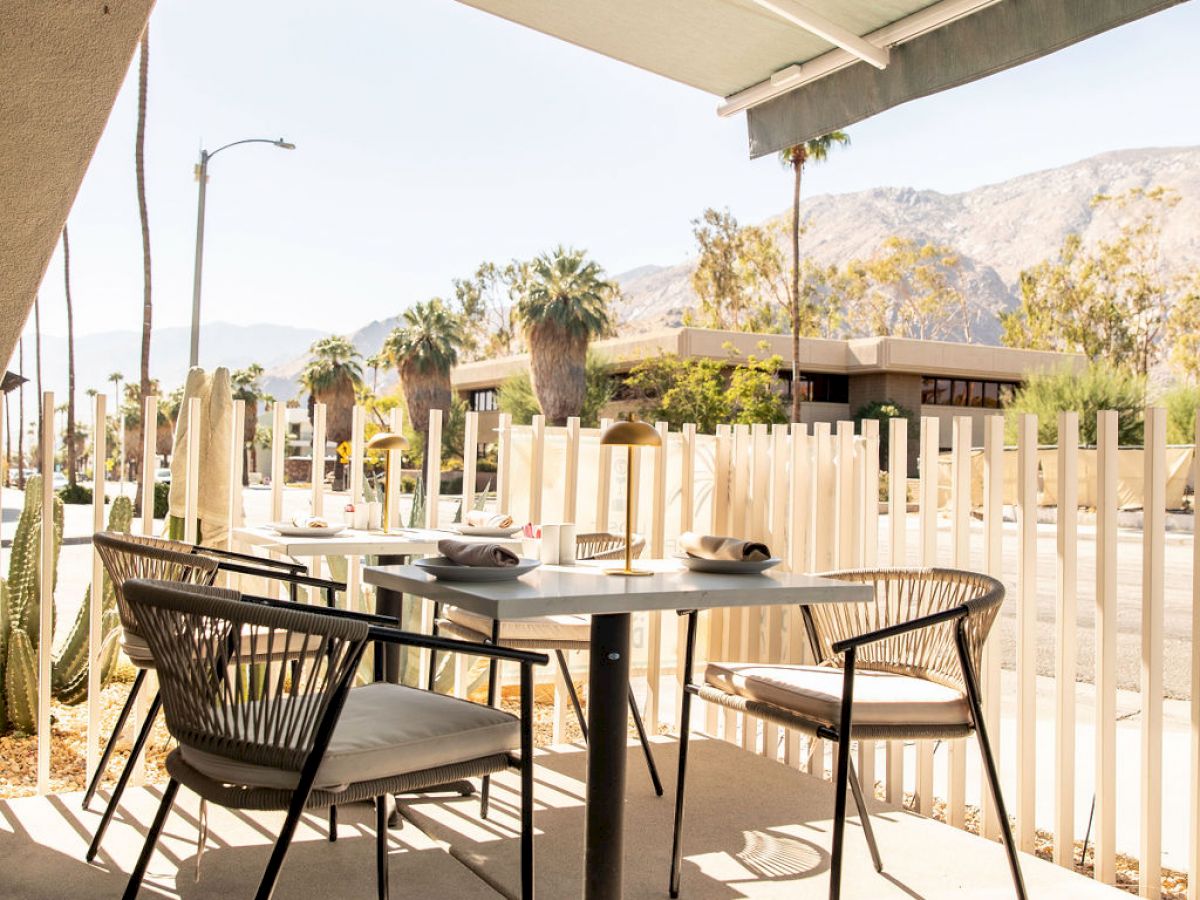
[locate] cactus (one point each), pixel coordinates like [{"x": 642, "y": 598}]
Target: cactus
[
  {"x": 20, "y": 613},
  {"x": 69, "y": 683}
]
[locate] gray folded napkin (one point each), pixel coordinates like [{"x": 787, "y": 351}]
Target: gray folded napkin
[
  {"x": 479, "y": 518},
  {"x": 711, "y": 546},
  {"x": 467, "y": 554}
]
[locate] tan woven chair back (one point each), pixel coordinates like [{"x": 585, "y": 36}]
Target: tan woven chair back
[
  {"x": 129, "y": 556},
  {"x": 605, "y": 545},
  {"x": 257, "y": 701},
  {"x": 900, "y": 596}
]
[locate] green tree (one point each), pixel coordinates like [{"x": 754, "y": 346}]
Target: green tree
[
  {"x": 516, "y": 395},
  {"x": 796, "y": 158},
  {"x": 1182, "y": 402},
  {"x": 1111, "y": 301},
  {"x": 247, "y": 386},
  {"x": 484, "y": 303},
  {"x": 563, "y": 303},
  {"x": 423, "y": 350},
  {"x": 907, "y": 289},
  {"x": 708, "y": 392},
  {"x": 1183, "y": 329},
  {"x": 332, "y": 376},
  {"x": 1099, "y": 387},
  {"x": 732, "y": 264}
]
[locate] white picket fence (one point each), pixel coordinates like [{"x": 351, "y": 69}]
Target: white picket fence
[{"x": 813, "y": 495}]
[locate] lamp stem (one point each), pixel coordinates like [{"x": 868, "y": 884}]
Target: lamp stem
[
  {"x": 629, "y": 509},
  {"x": 387, "y": 491}
]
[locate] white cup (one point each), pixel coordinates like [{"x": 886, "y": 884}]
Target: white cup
[
  {"x": 566, "y": 544},
  {"x": 361, "y": 516},
  {"x": 550, "y": 542}
]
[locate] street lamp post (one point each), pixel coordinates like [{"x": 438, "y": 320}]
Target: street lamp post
[{"x": 202, "y": 176}]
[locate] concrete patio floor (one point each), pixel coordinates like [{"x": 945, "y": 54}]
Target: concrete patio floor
[{"x": 755, "y": 829}]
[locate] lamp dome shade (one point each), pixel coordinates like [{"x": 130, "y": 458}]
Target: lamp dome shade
[
  {"x": 386, "y": 440},
  {"x": 631, "y": 434}
]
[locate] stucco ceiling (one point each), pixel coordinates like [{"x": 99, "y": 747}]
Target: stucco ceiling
[{"x": 61, "y": 65}]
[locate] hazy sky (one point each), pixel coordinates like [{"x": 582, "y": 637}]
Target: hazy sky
[{"x": 432, "y": 136}]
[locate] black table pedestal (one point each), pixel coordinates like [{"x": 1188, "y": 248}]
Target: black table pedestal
[{"x": 608, "y": 723}]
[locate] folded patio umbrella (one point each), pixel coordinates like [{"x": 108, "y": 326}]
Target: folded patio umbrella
[{"x": 215, "y": 393}]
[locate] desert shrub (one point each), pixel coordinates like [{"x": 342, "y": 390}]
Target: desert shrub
[
  {"x": 883, "y": 410},
  {"x": 162, "y": 493},
  {"x": 1182, "y": 401},
  {"x": 75, "y": 493},
  {"x": 1099, "y": 387}
]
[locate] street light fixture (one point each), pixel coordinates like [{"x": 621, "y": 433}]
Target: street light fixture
[{"x": 202, "y": 177}]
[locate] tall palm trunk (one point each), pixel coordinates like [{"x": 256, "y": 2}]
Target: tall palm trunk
[
  {"x": 37, "y": 348},
  {"x": 139, "y": 157},
  {"x": 21, "y": 415},
  {"x": 71, "y": 448},
  {"x": 557, "y": 363},
  {"x": 798, "y": 168}
]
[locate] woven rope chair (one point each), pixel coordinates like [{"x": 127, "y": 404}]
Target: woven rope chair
[
  {"x": 558, "y": 633},
  {"x": 916, "y": 649},
  {"x": 298, "y": 737},
  {"x": 129, "y": 556}
]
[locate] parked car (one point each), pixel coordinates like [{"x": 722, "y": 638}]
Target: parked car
[{"x": 163, "y": 474}]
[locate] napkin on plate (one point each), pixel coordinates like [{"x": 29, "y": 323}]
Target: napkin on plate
[
  {"x": 711, "y": 546},
  {"x": 302, "y": 521},
  {"x": 478, "y": 518},
  {"x": 466, "y": 554}
]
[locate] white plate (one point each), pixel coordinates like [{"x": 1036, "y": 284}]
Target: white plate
[
  {"x": 486, "y": 531},
  {"x": 288, "y": 530},
  {"x": 728, "y": 566},
  {"x": 441, "y": 568}
]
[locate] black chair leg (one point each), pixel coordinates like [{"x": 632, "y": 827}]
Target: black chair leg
[
  {"x": 864, "y": 817},
  {"x": 381, "y": 846},
  {"x": 139, "y": 871},
  {"x": 485, "y": 788},
  {"x": 432, "y": 681},
  {"x": 138, "y": 746},
  {"x": 266, "y": 887},
  {"x": 109, "y": 747},
  {"x": 527, "y": 869},
  {"x": 685, "y": 721},
  {"x": 841, "y": 779},
  {"x": 333, "y": 824},
  {"x": 649, "y": 754},
  {"x": 571, "y": 692},
  {"x": 989, "y": 761}
]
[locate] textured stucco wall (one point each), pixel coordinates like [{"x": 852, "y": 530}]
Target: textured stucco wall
[{"x": 61, "y": 65}]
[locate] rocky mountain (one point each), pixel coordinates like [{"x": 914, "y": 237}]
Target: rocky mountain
[{"x": 998, "y": 229}]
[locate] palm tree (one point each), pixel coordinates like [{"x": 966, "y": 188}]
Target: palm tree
[
  {"x": 423, "y": 351},
  {"x": 72, "y": 449},
  {"x": 37, "y": 349},
  {"x": 246, "y": 387},
  {"x": 331, "y": 377},
  {"x": 21, "y": 414},
  {"x": 139, "y": 160},
  {"x": 563, "y": 302},
  {"x": 375, "y": 363},
  {"x": 116, "y": 378},
  {"x": 797, "y": 157}
]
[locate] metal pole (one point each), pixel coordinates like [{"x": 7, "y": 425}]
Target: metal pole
[{"x": 194, "y": 353}]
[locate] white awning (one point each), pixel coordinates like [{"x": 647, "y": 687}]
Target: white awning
[{"x": 805, "y": 67}]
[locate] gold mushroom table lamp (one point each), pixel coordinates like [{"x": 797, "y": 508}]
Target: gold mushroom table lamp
[
  {"x": 387, "y": 442},
  {"x": 629, "y": 435}
]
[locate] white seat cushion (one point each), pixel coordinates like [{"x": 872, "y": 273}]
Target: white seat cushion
[
  {"x": 815, "y": 692},
  {"x": 384, "y": 730},
  {"x": 263, "y": 642},
  {"x": 568, "y": 629}
]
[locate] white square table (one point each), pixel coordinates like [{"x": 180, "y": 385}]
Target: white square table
[{"x": 585, "y": 588}]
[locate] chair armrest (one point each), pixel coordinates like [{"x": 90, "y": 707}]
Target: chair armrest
[
  {"x": 266, "y": 561},
  {"x": 369, "y": 618},
  {"x": 393, "y": 635},
  {"x": 286, "y": 577},
  {"x": 937, "y": 618}
]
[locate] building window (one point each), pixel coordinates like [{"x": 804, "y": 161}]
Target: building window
[
  {"x": 967, "y": 392},
  {"x": 485, "y": 400},
  {"x": 817, "y": 387}
]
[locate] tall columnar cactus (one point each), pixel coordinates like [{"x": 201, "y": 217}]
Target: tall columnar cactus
[
  {"x": 69, "y": 682},
  {"x": 20, "y": 612}
]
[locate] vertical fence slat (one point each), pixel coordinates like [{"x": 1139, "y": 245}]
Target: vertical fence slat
[
  {"x": 993, "y": 563},
  {"x": 1154, "y": 520},
  {"x": 433, "y": 486},
  {"x": 537, "y": 469},
  {"x": 318, "y": 460},
  {"x": 46, "y": 607},
  {"x": 960, "y": 504},
  {"x": 687, "y": 515},
  {"x": 504, "y": 461},
  {"x": 1065, "y": 638},
  {"x": 99, "y": 456},
  {"x": 392, "y": 487},
  {"x": 898, "y": 550},
  {"x": 1105, "y": 850},
  {"x": 278, "y": 454},
  {"x": 800, "y": 516},
  {"x": 1194, "y": 816},
  {"x": 604, "y": 481},
  {"x": 929, "y": 557},
  {"x": 571, "y": 490},
  {"x": 823, "y": 494},
  {"x": 1026, "y": 805},
  {"x": 470, "y": 461},
  {"x": 657, "y": 543},
  {"x": 191, "y": 495},
  {"x": 844, "y": 505},
  {"x": 149, "y": 458},
  {"x": 870, "y": 529},
  {"x": 236, "y": 467}
]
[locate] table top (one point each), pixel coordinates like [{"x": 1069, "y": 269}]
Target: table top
[
  {"x": 352, "y": 542},
  {"x": 586, "y": 588}
]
